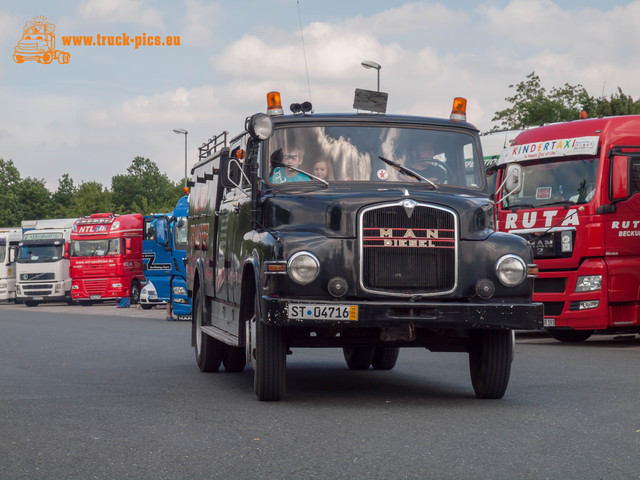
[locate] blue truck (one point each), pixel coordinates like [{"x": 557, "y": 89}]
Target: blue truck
[{"x": 164, "y": 248}]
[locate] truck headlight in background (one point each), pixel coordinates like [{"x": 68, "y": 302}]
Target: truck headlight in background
[
  {"x": 179, "y": 291},
  {"x": 116, "y": 285},
  {"x": 589, "y": 283},
  {"x": 3, "y": 284},
  {"x": 511, "y": 270},
  {"x": 303, "y": 268}
]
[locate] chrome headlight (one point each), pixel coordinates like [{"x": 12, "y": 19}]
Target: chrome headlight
[
  {"x": 179, "y": 291},
  {"x": 589, "y": 283},
  {"x": 303, "y": 268},
  {"x": 511, "y": 270}
]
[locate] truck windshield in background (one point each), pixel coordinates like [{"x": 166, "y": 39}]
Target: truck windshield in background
[
  {"x": 95, "y": 248},
  {"x": 39, "y": 253},
  {"x": 351, "y": 153},
  {"x": 551, "y": 183}
]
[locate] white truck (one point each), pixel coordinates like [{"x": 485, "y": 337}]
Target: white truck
[
  {"x": 9, "y": 239},
  {"x": 43, "y": 262}
]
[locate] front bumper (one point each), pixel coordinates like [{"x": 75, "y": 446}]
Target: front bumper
[{"x": 527, "y": 316}]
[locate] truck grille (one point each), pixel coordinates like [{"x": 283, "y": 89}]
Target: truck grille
[
  {"x": 408, "y": 248},
  {"x": 38, "y": 289},
  {"x": 95, "y": 287}
]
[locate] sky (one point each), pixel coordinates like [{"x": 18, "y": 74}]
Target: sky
[{"x": 93, "y": 115}]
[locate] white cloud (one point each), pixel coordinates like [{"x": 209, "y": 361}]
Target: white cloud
[{"x": 201, "y": 20}]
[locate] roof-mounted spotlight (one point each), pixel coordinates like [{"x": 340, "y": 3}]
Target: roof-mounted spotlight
[
  {"x": 307, "y": 107},
  {"x": 295, "y": 108}
]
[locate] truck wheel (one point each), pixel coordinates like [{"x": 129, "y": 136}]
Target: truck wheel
[
  {"x": 570, "y": 335},
  {"x": 134, "y": 293},
  {"x": 30, "y": 303},
  {"x": 146, "y": 306},
  {"x": 234, "y": 359},
  {"x": 385, "y": 358},
  {"x": 209, "y": 351},
  {"x": 18, "y": 58},
  {"x": 358, "y": 358},
  {"x": 269, "y": 358},
  {"x": 46, "y": 58},
  {"x": 490, "y": 356}
]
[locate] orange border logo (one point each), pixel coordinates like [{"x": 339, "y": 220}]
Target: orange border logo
[{"x": 38, "y": 43}]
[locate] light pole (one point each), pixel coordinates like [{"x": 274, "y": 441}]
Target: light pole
[
  {"x": 184, "y": 132},
  {"x": 377, "y": 66}
]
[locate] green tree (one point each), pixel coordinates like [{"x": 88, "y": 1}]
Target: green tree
[
  {"x": 10, "y": 208},
  {"x": 91, "y": 197},
  {"x": 144, "y": 189},
  {"x": 63, "y": 197},
  {"x": 531, "y": 105},
  {"x": 35, "y": 199},
  {"x": 617, "y": 104}
]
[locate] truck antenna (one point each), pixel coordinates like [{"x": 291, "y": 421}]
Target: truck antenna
[
  {"x": 304, "y": 52},
  {"x": 579, "y": 209}
]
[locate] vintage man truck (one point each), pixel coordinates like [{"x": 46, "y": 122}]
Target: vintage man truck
[{"x": 311, "y": 230}]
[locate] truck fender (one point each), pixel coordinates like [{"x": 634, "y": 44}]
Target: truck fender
[{"x": 200, "y": 279}]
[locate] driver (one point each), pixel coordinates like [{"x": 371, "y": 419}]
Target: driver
[{"x": 423, "y": 163}]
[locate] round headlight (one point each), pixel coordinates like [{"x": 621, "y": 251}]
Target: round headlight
[
  {"x": 260, "y": 126},
  {"x": 511, "y": 270},
  {"x": 303, "y": 268}
]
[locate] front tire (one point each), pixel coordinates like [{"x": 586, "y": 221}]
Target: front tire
[
  {"x": 268, "y": 353},
  {"x": 209, "y": 351},
  {"x": 490, "y": 356},
  {"x": 30, "y": 303},
  {"x": 385, "y": 358},
  {"x": 358, "y": 358},
  {"x": 134, "y": 293}
]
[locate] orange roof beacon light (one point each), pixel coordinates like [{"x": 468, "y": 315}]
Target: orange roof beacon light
[
  {"x": 186, "y": 190},
  {"x": 274, "y": 105},
  {"x": 459, "y": 110},
  {"x": 583, "y": 115}
]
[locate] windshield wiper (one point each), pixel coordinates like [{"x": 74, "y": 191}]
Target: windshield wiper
[
  {"x": 407, "y": 172},
  {"x": 564, "y": 203},
  {"x": 310, "y": 175}
]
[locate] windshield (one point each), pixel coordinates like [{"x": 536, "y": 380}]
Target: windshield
[
  {"x": 180, "y": 232},
  {"x": 555, "y": 183},
  {"x": 347, "y": 153},
  {"x": 40, "y": 253},
  {"x": 95, "y": 248}
]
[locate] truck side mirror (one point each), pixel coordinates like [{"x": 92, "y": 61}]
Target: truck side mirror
[
  {"x": 513, "y": 179},
  {"x": 230, "y": 172},
  {"x": 12, "y": 255},
  {"x": 619, "y": 178},
  {"x": 127, "y": 246},
  {"x": 66, "y": 250}
]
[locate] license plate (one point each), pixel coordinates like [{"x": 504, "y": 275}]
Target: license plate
[
  {"x": 297, "y": 311},
  {"x": 153, "y": 297},
  {"x": 549, "y": 322},
  {"x": 37, "y": 298},
  {"x": 95, "y": 297}
]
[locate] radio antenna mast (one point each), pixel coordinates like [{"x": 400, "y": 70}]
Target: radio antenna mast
[{"x": 304, "y": 52}]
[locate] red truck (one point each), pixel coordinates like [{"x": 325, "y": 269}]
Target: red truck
[
  {"x": 571, "y": 189},
  {"x": 106, "y": 257}
]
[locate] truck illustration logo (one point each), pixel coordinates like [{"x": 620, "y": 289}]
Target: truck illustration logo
[{"x": 38, "y": 43}]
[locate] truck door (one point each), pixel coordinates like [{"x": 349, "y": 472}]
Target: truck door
[{"x": 622, "y": 236}]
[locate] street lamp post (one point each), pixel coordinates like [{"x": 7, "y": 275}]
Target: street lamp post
[
  {"x": 377, "y": 66},
  {"x": 183, "y": 132}
]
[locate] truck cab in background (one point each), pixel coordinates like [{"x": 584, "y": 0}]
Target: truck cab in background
[
  {"x": 106, "y": 257},
  {"x": 572, "y": 190},
  {"x": 164, "y": 249},
  {"x": 43, "y": 262},
  {"x": 9, "y": 240}
]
